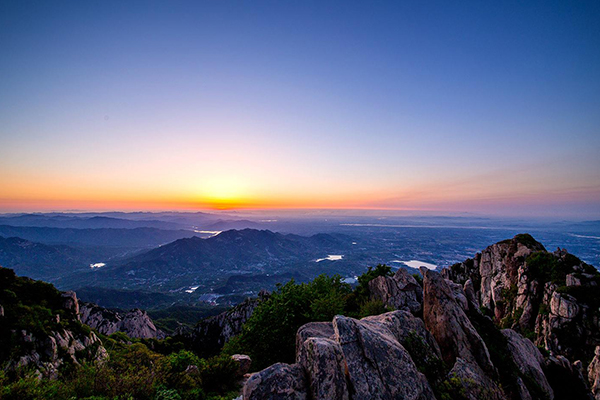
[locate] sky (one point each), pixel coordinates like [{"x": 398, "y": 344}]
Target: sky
[{"x": 483, "y": 107}]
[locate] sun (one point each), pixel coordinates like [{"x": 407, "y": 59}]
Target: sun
[{"x": 224, "y": 192}]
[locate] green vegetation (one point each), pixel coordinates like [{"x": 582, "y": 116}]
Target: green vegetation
[
  {"x": 133, "y": 371},
  {"x": 169, "y": 319},
  {"x": 270, "y": 334},
  {"x": 32, "y": 306},
  {"x": 545, "y": 267}
]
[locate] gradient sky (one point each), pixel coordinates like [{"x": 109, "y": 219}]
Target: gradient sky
[{"x": 486, "y": 107}]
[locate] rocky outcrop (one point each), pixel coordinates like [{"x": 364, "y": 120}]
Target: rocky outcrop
[
  {"x": 210, "y": 334},
  {"x": 352, "y": 359},
  {"x": 401, "y": 292},
  {"x": 70, "y": 303},
  {"x": 47, "y": 353},
  {"x": 445, "y": 318},
  {"x": 46, "y": 347},
  {"x": 134, "y": 323},
  {"x": 550, "y": 297},
  {"x": 531, "y": 290}
]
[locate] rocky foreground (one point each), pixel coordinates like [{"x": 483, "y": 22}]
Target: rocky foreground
[{"x": 515, "y": 322}]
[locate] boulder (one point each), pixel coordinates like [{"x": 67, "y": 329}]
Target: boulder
[
  {"x": 378, "y": 367},
  {"x": 323, "y": 361},
  {"x": 401, "y": 291},
  {"x": 244, "y": 362},
  {"x": 475, "y": 384},
  {"x": 404, "y": 326},
  {"x": 278, "y": 382}
]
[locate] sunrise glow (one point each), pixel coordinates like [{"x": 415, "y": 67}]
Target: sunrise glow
[{"x": 199, "y": 115}]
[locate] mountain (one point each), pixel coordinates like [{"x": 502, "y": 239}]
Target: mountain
[
  {"x": 138, "y": 238},
  {"x": 40, "y": 261},
  {"x": 514, "y": 322},
  {"x": 86, "y": 222},
  {"x": 223, "y": 225},
  {"x": 189, "y": 260}
]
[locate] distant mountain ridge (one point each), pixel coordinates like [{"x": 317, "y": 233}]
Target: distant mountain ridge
[
  {"x": 245, "y": 251},
  {"x": 113, "y": 237},
  {"x": 41, "y": 261},
  {"x": 85, "y": 222}
]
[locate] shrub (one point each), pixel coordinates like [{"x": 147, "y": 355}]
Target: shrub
[{"x": 269, "y": 335}]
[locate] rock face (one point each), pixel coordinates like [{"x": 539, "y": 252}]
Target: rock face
[
  {"x": 210, "y": 334},
  {"x": 134, "y": 323},
  {"x": 48, "y": 352},
  {"x": 528, "y": 359},
  {"x": 379, "y": 367},
  {"x": 401, "y": 291},
  {"x": 445, "y": 318}
]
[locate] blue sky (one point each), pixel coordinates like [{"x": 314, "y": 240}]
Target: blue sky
[{"x": 491, "y": 107}]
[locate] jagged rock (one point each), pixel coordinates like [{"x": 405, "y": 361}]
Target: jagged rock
[
  {"x": 459, "y": 295},
  {"x": 313, "y": 329},
  {"x": 594, "y": 374},
  {"x": 210, "y": 334},
  {"x": 401, "y": 291},
  {"x": 244, "y": 362},
  {"x": 472, "y": 298},
  {"x": 528, "y": 359},
  {"x": 564, "y": 305},
  {"x": 70, "y": 303},
  {"x": 323, "y": 361},
  {"x": 378, "y": 367},
  {"x": 47, "y": 353},
  {"x": 499, "y": 266},
  {"x": 1, "y": 311},
  {"x": 278, "y": 382},
  {"x": 566, "y": 378},
  {"x": 475, "y": 383},
  {"x": 134, "y": 323},
  {"x": 450, "y": 326},
  {"x": 573, "y": 280}
]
